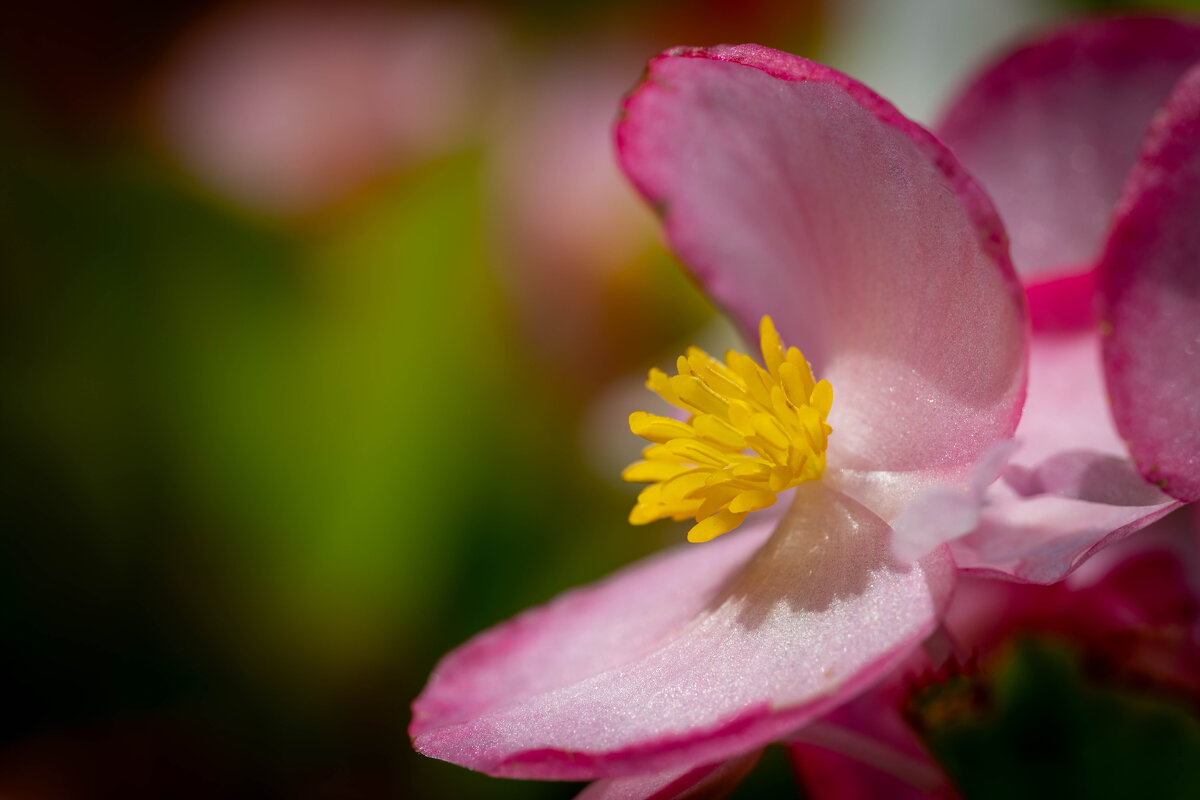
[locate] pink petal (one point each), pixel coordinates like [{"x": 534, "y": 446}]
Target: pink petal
[
  {"x": 738, "y": 648},
  {"x": 947, "y": 512},
  {"x": 865, "y": 749},
  {"x": 710, "y": 782},
  {"x": 1065, "y": 406},
  {"x": 1150, "y": 288},
  {"x": 1043, "y": 539},
  {"x": 1142, "y": 599},
  {"x": 829, "y": 773},
  {"x": 1070, "y": 488},
  {"x": 792, "y": 190},
  {"x": 1063, "y": 304},
  {"x": 1051, "y": 130}
]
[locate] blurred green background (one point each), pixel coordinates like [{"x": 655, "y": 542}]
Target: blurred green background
[{"x": 321, "y": 324}]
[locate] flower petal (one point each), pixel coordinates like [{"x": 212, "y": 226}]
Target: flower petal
[
  {"x": 736, "y": 653},
  {"x": 830, "y": 775},
  {"x": 1070, "y": 488},
  {"x": 709, "y": 781},
  {"x": 789, "y": 189},
  {"x": 1141, "y": 597},
  {"x": 867, "y": 759},
  {"x": 1149, "y": 281},
  {"x": 1051, "y": 130},
  {"x": 866, "y": 748},
  {"x": 1043, "y": 539},
  {"x": 1066, "y": 406}
]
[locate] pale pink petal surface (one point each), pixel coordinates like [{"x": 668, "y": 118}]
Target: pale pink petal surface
[
  {"x": 1069, "y": 487},
  {"x": 1150, "y": 286},
  {"x": 710, "y": 781},
  {"x": 1042, "y": 539},
  {"x": 768, "y": 643},
  {"x": 1052, "y": 129},
  {"x": 791, "y": 190}
]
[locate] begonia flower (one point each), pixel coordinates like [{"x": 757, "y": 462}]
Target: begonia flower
[
  {"x": 793, "y": 192},
  {"x": 796, "y": 194},
  {"x": 1101, "y": 214}
]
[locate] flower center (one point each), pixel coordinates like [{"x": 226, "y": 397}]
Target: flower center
[{"x": 752, "y": 434}]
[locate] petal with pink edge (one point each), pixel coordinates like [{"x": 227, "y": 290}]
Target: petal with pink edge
[
  {"x": 829, "y": 774},
  {"x": 1149, "y": 282},
  {"x": 744, "y": 644},
  {"x": 707, "y": 782},
  {"x": 789, "y": 189},
  {"x": 1052, "y": 129},
  {"x": 866, "y": 749}
]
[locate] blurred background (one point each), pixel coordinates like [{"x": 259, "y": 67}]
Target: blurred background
[{"x": 321, "y": 322}]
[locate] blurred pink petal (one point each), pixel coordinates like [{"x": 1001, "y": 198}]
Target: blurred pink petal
[
  {"x": 791, "y": 190},
  {"x": 1052, "y": 129},
  {"x": 1150, "y": 285},
  {"x": 709, "y": 782},
  {"x": 866, "y": 749},
  {"x": 287, "y": 108},
  {"x": 569, "y": 232},
  {"x": 862, "y": 762}
]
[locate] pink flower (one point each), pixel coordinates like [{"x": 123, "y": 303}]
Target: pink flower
[
  {"x": 912, "y": 313},
  {"x": 791, "y": 191},
  {"x": 1102, "y": 219}
]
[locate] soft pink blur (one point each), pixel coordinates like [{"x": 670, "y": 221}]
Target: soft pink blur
[{"x": 287, "y": 108}]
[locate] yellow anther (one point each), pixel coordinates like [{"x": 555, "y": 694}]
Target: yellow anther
[{"x": 751, "y": 434}]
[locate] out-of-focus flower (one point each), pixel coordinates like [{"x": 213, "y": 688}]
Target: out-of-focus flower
[
  {"x": 288, "y": 109},
  {"x": 571, "y": 239},
  {"x": 1053, "y": 131},
  {"x": 794, "y": 192}
]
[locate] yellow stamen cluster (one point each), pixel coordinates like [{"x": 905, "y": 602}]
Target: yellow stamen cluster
[{"x": 752, "y": 434}]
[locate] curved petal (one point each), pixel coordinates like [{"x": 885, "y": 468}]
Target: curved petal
[
  {"x": 791, "y": 190},
  {"x": 866, "y": 748},
  {"x": 1043, "y": 539},
  {"x": 1149, "y": 281},
  {"x": 1051, "y": 130},
  {"x": 1070, "y": 488},
  {"x": 828, "y": 774},
  {"x": 811, "y": 618},
  {"x": 710, "y": 782},
  {"x": 838, "y": 762},
  {"x": 1143, "y": 597}
]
